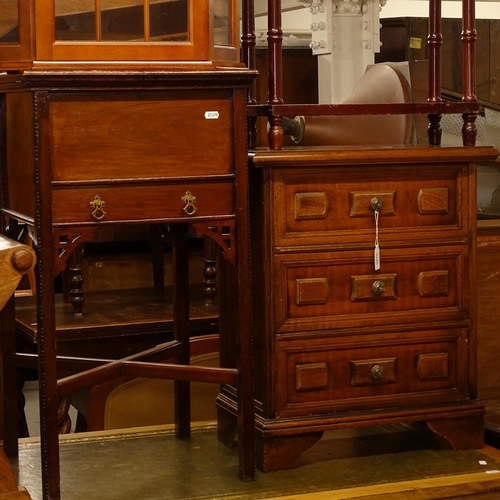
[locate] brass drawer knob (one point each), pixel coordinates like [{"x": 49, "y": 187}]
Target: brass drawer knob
[
  {"x": 377, "y": 372},
  {"x": 378, "y": 287},
  {"x": 97, "y": 205},
  {"x": 189, "y": 206},
  {"x": 377, "y": 203}
]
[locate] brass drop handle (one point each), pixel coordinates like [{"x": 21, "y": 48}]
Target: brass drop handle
[
  {"x": 378, "y": 287},
  {"x": 97, "y": 205},
  {"x": 377, "y": 372},
  {"x": 189, "y": 207},
  {"x": 376, "y": 203}
]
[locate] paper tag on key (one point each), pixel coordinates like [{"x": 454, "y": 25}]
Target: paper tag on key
[{"x": 376, "y": 254}]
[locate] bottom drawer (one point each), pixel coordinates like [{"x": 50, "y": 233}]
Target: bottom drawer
[{"x": 343, "y": 374}]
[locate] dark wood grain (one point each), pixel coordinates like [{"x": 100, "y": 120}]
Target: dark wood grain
[
  {"x": 488, "y": 286},
  {"x": 120, "y": 143}
]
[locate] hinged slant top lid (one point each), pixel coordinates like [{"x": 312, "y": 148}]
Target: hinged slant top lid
[{"x": 109, "y": 34}]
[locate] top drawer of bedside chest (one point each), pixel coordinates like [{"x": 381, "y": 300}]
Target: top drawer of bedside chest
[
  {"x": 315, "y": 206},
  {"x": 141, "y": 135}
]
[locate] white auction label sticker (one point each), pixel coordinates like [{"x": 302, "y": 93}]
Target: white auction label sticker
[{"x": 211, "y": 115}]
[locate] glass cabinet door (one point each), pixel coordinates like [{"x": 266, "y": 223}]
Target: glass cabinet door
[
  {"x": 122, "y": 20},
  {"x": 123, "y": 30},
  {"x": 137, "y": 30},
  {"x": 9, "y": 21},
  {"x": 15, "y": 33},
  {"x": 226, "y": 20},
  {"x": 222, "y": 23}
]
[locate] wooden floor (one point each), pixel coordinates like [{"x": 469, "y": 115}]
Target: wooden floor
[
  {"x": 397, "y": 462},
  {"x": 381, "y": 463}
]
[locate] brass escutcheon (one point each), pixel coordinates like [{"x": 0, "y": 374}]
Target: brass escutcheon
[
  {"x": 189, "y": 207},
  {"x": 377, "y": 203},
  {"x": 377, "y": 372},
  {"x": 97, "y": 205},
  {"x": 378, "y": 287}
]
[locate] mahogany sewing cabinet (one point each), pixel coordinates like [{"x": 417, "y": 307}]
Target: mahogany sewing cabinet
[{"x": 124, "y": 112}]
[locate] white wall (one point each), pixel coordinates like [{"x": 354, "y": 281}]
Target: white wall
[
  {"x": 449, "y": 8},
  {"x": 296, "y": 20}
]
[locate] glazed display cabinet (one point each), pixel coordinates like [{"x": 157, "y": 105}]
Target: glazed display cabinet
[{"x": 70, "y": 33}]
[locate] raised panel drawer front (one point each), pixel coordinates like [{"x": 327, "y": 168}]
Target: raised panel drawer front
[
  {"x": 141, "y": 135},
  {"x": 355, "y": 373},
  {"x": 173, "y": 201},
  {"x": 327, "y": 290},
  {"x": 321, "y": 206}
]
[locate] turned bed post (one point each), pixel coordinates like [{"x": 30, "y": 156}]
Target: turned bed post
[
  {"x": 274, "y": 46},
  {"x": 248, "y": 50},
  {"x": 435, "y": 41},
  {"x": 469, "y": 37}
]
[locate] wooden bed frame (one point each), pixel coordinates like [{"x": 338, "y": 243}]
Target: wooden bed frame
[{"x": 434, "y": 107}]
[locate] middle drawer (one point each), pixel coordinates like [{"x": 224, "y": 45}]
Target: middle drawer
[{"x": 330, "y": 290}]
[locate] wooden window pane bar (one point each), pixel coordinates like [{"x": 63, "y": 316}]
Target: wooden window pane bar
[{"x": 98, "y": 21}]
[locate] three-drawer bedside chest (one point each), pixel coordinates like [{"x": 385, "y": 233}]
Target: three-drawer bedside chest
[{"x": 363, "y": 271}]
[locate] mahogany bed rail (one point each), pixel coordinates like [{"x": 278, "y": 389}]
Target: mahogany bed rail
[{"x": 275, "y": 109}]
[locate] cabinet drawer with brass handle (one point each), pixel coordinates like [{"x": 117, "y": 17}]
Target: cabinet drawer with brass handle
[
  {"x": 341, "y": 289},
  {"x": 176, "y": 201},
  {"x": 318, "y": 206},
  {"x": 335, "y": 375}
]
